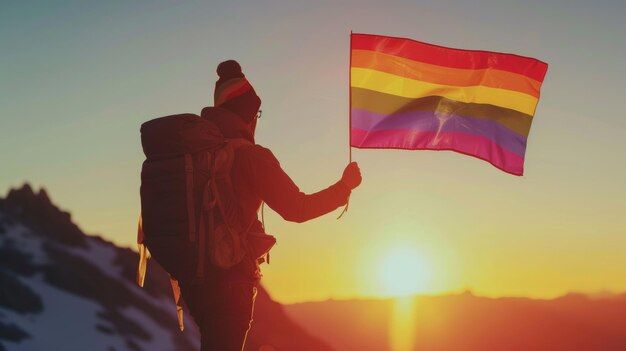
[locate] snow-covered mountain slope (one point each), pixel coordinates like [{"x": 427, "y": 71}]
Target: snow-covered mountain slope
[{"x": 63, "y": 290}]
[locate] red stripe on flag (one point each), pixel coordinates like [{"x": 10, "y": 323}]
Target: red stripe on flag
[{"x": 450, "y": 57}]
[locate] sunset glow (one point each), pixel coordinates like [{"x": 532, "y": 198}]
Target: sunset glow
[
  {"x": 403, "y": 272},
  {"x": 80, "y": 90}
]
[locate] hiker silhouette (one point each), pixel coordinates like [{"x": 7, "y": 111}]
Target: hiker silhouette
[{"x": 203, "y": 183}]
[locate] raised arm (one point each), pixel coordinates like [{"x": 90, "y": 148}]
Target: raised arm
[{"x": 280, "y": 193}]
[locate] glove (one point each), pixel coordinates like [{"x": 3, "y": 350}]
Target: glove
[{"x": 351, "y": 175}]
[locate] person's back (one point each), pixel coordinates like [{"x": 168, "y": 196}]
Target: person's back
[{"x": 222, "y": 304}]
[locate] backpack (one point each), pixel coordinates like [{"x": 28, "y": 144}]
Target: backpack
[{"x": 189, "y": 212}]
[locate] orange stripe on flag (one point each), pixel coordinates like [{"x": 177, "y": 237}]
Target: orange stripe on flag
[{"x": 404, "y": 67}]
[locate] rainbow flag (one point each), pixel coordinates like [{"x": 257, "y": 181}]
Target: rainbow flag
[{"x": 406, "y": 94}]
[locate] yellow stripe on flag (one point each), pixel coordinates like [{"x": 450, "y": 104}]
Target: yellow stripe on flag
[{"x": 410, "y": 88}]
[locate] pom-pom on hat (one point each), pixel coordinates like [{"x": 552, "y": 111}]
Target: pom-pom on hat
[{"x": 234, "y": 92}]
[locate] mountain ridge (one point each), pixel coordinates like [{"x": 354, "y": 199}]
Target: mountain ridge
[
  {"x": 63, "y": 289},
  {"x": 466, "y": 322}
]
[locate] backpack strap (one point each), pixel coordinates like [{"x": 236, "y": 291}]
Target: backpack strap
[
  {"x": 191, "y": 213},
  {"x": 233, "y": 234},
  {"x": 206, "y": 209}
]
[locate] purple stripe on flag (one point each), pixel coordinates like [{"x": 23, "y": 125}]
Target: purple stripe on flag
[
  {"x": 468, "y": 144},
  {"x": 439, "y": 122}
]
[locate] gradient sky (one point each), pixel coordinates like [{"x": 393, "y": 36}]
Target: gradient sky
[{"x": 77, "y": 78}]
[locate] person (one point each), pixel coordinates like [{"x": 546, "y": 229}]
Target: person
[{"x": 222, "y": 304}]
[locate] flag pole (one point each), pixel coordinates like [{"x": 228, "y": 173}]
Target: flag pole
[
  {"x": 350, "y": 102},
  {"x": 345, "y": 209}
]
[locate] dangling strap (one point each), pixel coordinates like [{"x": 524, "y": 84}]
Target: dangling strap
[
  {"x": 267, "y": 256},
  {"x": 345, "y": 209},
  {"x": 179, "y": 307},
  {"x": 191, "y": 213},
  {"x": 263, "y": 215},
  {"x": 144, "y": 255}
]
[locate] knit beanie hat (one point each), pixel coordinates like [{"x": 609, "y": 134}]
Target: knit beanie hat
[{"x": 234, "y": 92}]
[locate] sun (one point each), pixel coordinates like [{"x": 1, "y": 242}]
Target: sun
[{"x": 403, "y": 271}]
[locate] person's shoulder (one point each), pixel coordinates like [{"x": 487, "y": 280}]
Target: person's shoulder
[
  {"x": 256, "y": 150},
  {"x": 256, "y": 153}
]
